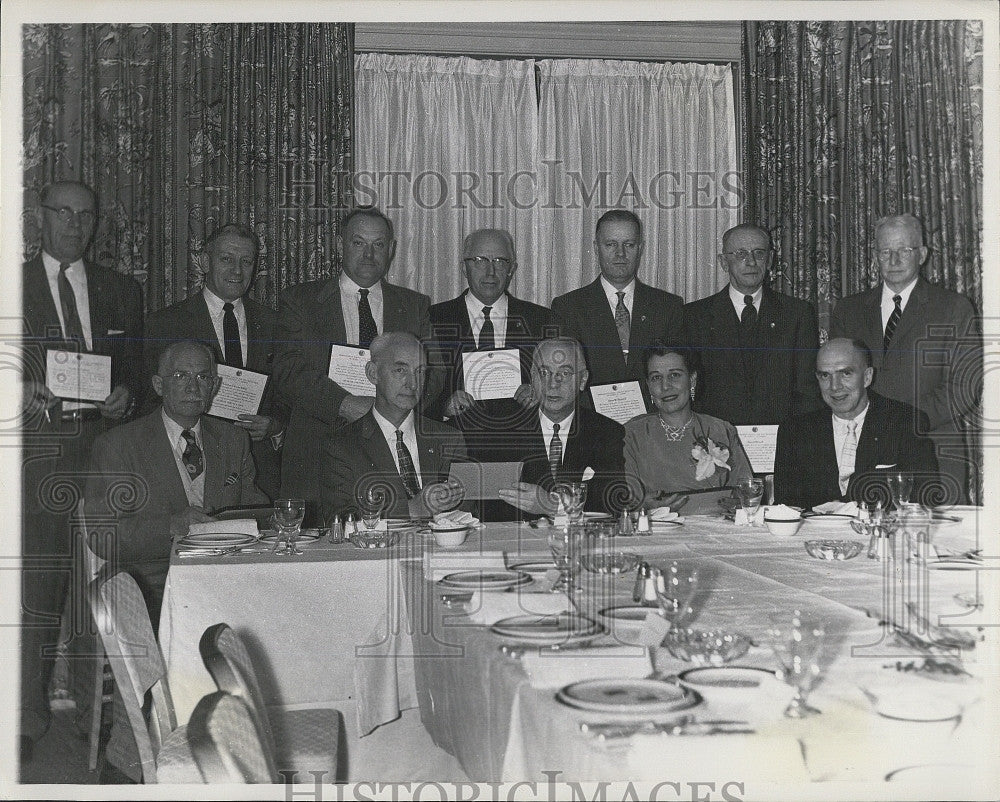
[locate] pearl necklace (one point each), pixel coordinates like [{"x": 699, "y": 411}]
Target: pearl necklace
[{"x": 674, "y": 433}]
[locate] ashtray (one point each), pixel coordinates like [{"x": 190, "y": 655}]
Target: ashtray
[
  {"x": 374, "y": 538},
  {"x": 705, "y": 647},
  {"x": 604, "y": 562},
  {"x": 834, "y": 549}
]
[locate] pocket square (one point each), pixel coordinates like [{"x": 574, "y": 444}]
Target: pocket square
[
  {"x": 884, "y": 467},
  {"x": 232, "y": 479},
  {"x": 114, "y": 332}
]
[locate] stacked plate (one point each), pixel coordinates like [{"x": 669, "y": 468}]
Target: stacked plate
[
  {"x": 305, "y": 536},
  {"x": 628, "y": 698},
  {"x": 216, "y": 540},
  {"x": 485, "y": 579},
  {"x": 562, "y": 629}
]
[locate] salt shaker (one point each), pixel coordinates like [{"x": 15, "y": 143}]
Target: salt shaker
[
  {"x": 625, "y": 525},
  {"x": 336, "y": 530},
  {"x": 642, "y": 574},
  {"x": 350, "y": 528},
  {"x": 642, "y": 527}
]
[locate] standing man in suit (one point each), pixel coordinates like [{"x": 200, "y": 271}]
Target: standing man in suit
[
  {"x": 238, "y": 329},
  {"x": 616, "y": 316},
  {"x": 924, "y": 341},
  {"x": 757, "y": 346},
  {"x": 483, "y": 318},
  {"x": 400, "y": 456},
  {"x": 351, "y": 309},
  {"x": 564, "y": 438},
  {"x": 69, "y": 303},
  {"x": 833, "y": 454}
]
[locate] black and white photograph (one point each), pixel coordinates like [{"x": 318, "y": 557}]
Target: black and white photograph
[{"x": 537, "y": 401}]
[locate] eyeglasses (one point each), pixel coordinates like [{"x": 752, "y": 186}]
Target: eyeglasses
[
  {"x": 203, "y": 379},
  {"x": 68, "y": 216},
  {"x": 742, "y": 255},
  {"x": 561, "y": 375},
  {"x": 501, "y": 263},
  {"x": 885, "y": 254}
]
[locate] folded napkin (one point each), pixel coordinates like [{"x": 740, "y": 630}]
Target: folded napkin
[
  {"x": 489, "y": 606},
  {"x": 838, "y": 507},
  {"x": 781, "y": 512},
  {"x": 242, "y": 526},
  {"x": 661, "y": 514},
  {"x": 455, "y": 518},
  {"x": 439, "y": 564},
  {"x": 554, "y": 669}
]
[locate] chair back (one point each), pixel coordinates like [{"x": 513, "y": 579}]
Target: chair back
[
  {"x": 226, "y": 744},
  {"x": 228, "y": 661},
  {"x": 122, "y": 621}
]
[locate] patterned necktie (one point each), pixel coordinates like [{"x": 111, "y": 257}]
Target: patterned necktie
[
  {"x": 407, "y": 471},
  {"x": 890, "y": 326},
  {"x": 623, "y": 321},
  {"x": 231, "y": 335},
  {"x": 487, "y": 339},
  {"x": 67, "y": 300},
  {"x": 555, "y": 452},
  {"x": 847, "y": 453},
  {"x": 193, "y": 459},
  {"x": 367, "y": 330},
  {"x": 749, "y": 317}
]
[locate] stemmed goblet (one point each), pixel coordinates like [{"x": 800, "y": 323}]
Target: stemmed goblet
[
  {"x": 900, "y": 487},
  {"x": 573, "y": 496},
  {"x": 565, "y": 547},
  {"x": 675, "y": 588},
  {"x": 750, "y": 491},
  {"x": 797, "y": 641},
  {"x": 288, "y": 515}
]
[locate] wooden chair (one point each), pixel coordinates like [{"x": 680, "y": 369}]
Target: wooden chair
[
  {"x": 226, "y": 742},
  {"x": 300, "y": 740},
  {"x": 137, "y": 664}
]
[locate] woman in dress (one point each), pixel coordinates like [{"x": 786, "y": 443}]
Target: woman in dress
[{"x": 674, "y": 450}]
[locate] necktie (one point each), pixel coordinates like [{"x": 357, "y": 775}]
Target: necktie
[
  {"x": 749, "y": 317},
  {"x": 487, "y": 339},
  {"x": 231, "y": 335},
  {"x": 67, "y": 300},
  {"x": 847, "y": 453},
  {"x": 367, "y": 330},
  {"x": 192, "y": 457},
  {"x": 623, "y": 321},
  {"x": 890, "y": 326},
  {"x": 407, "y": 472},
  {"x": 555, "y": 451}
]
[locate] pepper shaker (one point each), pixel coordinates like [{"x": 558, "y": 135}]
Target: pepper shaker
[{"x": 642, "y": 574}]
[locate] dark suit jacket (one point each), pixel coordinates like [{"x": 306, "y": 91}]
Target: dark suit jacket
[
  {"x": 934, "y": 361},
  {"x": 189, "y": 320},
  {"x": 763, "y": 380},
  {"x": 310, "y": 319},
  {"x": 358, "y": 456},
  {"x": 595, "y": 442},
  {"x": 588, "y": 317},
  {"x": 805, "y": 464},
  {"x": 115, "y": 321},
  {"x": 134, "y": 480}
]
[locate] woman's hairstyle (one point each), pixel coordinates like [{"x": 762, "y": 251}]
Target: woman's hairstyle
[{"x": 660, "y": 348}]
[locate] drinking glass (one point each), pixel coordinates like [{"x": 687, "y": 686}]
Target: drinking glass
[
  {"x": 750, "y": 491},
  {"x": 675, "y": 588},
  {"x": 565, "y": 547},
  {"x": 288, "y": 515},
  {"x": 371, "y": 502},
  {"x": 797, "y": 641},
  {"x": 573, "y": 496},
  {"x": 900, "y": 487},
  {"x": 914, "y": 525}
]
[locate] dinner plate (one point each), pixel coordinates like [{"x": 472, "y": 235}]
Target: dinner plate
[
  {"x": 597, "y": 516},
  {"x": 648, "y": 697},
  {"x": 827, "y": 522},
  {"x": 625, "y": 615},
  {"x": 958, "y": 508},
  {"x": 728, "y": 678},
  {"x": 216, "y": 540},
  {"x": 946, "y": 564},
  {"x": 931, "y": 774},
  {"x": 305, "y": 536},
  {"x": 486, "y": 579},
  {"x": 400, "y": 524},
  {"x": 546, "y": 629},
  {"x": 654, "y": 525},
  {"x": 533, "y": 566}
]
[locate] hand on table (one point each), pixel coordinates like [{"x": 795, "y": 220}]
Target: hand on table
[
  {"x": 529, "y": 498},
  {"x": 459, "y": 402},
  {"x": 438, "y": 497},
  {"x": 181, "y": 522},
  {"x": 355, "y": 406},
  {"x": 672, "y": 500}
]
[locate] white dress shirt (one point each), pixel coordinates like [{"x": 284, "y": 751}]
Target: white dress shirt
[
  {"x": 841, "y": 428},
  {"x": 737, "y": 298},
  {"x": 547, "y": 431},
  {"x": 194, "y": 490},
  {"x": 498, "y": 315},
  {"x": 350, "y": 297},
  {"x": 887, "y": 302},
  {"x": 409, "y": 440},
  {"x": 216, "y": 313},
  {"x": 77, "y": 275}
]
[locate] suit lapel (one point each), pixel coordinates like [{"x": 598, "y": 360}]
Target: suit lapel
[
  {"x": 873, "y": 324},
  {"x": 603, "y": 320},
  {"x": 98, "y": 298},
  {"x": 827, "y": 455},
  {"x": 868, "y": 444},
  {"x": 38, "y": 300},
  {"x": 257, "y": 339},
  {"x": 915, "y": 311},
  {"x": 641, "y": 323},
  {"x": 724, "y": 332},
  {"x": 395, "y": 315},
  {"x": 375, "y": 446},
  {"x": 429, "y": 449},
  {"x": 331, "y": 313},
  {"x": 214, "y": 463},
  {"x": 201, "y": 327},
  {"x": 159, "y": 459}
]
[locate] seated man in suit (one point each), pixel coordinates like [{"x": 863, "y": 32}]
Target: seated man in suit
[
  {"x": 757, "y": 346},
  {"x": 240, "y": 330},
  {"x": 391, "y": 452},
  {"x": 616, "y": 316},
  {"x": 834, "y": 457},
  {"x": 483, "y": 318},
  {"x": 349, "y": 309},
  {"x": 156, "y": 476},
  {"x": 564, "y": 438}
]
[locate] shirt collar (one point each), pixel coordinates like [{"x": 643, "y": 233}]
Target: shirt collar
[
  {"x": 904, "y": 293},
  {"x": 389, "y": 429},
  {"x": 612, "y": 291},
  {"x": 475, "y": 306},
  {"x": 564, "y": 425},
  {"x": 51, "y": 264},
  {"x": 174, "y": 429},
  {"x": 215, "y": 303},
  {"x": 737, "y": 297},
  {"x": 859, "y": 419},
  {"x": 349, "y": 287}
]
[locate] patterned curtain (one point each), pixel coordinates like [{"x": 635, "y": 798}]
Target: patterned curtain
[
  {"x": 847, "y": 122},
  {"x": 182, "y": 128}
]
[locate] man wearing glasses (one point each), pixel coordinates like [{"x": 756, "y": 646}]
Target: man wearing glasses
[
  {"x": 757, "y": 346},
  {"x": 924, "y": 340},
  {"x": 484, "y": 318},
  {"x": 72, "y": 305}
]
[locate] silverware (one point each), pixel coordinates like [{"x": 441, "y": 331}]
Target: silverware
[{"x": 686, "y": 725}]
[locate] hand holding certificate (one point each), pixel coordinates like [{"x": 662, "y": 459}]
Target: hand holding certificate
[
  {"x": 80, "y": 377},
  {"x": 347, "y": 369},
  {"x": 759, "y": 443},
  {"x": 620, "y": 402},
  {"x": 239, "y": 393},
  {"x": 492, "y": 374}
]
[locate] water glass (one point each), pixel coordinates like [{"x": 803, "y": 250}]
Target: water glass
[
  {"x": 914, "y": 525},
  {"x": 900, "y": 487},
  {"x": 370, "y": 506},
  {"x": 566, "y": 546},
  {"x": 573, "y": 496},
  {"x": 675, "y": 588},
  {"x": 797, "y": 642},
  {"x": 750, "y": 491},
  {"x": 288, "y": 515}
]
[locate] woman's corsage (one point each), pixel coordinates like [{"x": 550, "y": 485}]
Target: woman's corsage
[{"x": 708, "y": 457}]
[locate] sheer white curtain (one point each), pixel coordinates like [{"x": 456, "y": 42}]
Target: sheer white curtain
[
  {"x": 659, "y": 139},
  {"x": 445, "y": 146}
]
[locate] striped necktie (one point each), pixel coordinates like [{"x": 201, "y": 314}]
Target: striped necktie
[
  {"x": 367, "y": 330},
  {"x": 555, "y": 452},
  {"x": 231, "y": 334},
  {"x": 193, "y": 458},
  {"x": 847, "y": 454},
  {"x": 623, "y": 321},
  {"x": 487, "y": 337},
  {"x": 892, "y": 322},
  {"x": 67, "y": 300},
  {"x": 407, "y": 470}
]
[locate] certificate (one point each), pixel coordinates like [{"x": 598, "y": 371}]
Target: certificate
[
  {"x": 620, "y": 402},
  {"x": 347, "y": 369},
  {"x": 759, "y": 443},
  {"x": 492, "y": 374},
  {"x": 239, "y": 393},
  {"x": 81, "y": 377}
]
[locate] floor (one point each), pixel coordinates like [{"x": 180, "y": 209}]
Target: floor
[{"x": 61, "y": 755}]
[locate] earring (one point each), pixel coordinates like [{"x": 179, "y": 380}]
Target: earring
[{"x": 692, "y": 392}]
